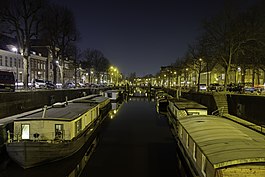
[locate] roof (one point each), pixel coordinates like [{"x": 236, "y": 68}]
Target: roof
[
  {"x": 223, "y": 141},
  {"x": 97, "y": 99},
  {"x": 187, "y": 104},
  {"x": 109, "y": 91},
  {"x": 67, "y": 113}
]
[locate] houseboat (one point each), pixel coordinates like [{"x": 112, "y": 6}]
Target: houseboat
[
  {"x": 182, "y": 107},
  {"x": 113, "y": 95},
  {"x": 217, "y": 147},
  {"x": 56, "y": 132},
  {"x": 162, "y": 102}
]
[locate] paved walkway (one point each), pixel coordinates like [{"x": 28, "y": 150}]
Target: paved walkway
[{"x": 136, "y": 143}]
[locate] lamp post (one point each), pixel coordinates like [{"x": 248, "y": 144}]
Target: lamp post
[{"x": 14, "y": 49}]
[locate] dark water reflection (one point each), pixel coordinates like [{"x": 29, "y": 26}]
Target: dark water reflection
[{"x": 134, "y": 141}]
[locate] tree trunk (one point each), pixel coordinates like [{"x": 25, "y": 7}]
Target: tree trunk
[
  {"x": 253, "y": 77},
  {"x": 25, "y": 72}
]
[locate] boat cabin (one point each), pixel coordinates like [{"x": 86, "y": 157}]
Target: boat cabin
[
  {"x": 220, "y": 147},
  {"x": 112, "y": 94},
  {"x": 183, "y": 107},
  {"x": 59, "y": 122}
]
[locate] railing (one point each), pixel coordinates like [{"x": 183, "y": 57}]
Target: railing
[{"x": 218, "y": 112}]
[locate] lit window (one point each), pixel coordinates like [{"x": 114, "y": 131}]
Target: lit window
[
  {"x": 203, "y": 169},
  {"x": 187, "y": 140},
  {"x": 194, "y": 151},
  {"x": 58, "y": 131},
  {"x": 25, "y": 131},
  {"x": 78, "y": 126}
]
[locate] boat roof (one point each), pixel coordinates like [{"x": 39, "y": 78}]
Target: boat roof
[
  {"x": 97, "y": 99},
  {"x": 223, "y": 141},
  {"x": 113, "y": 91},
  {"x": 67, "y": 113},
  {"x": 183, "y": 103}
]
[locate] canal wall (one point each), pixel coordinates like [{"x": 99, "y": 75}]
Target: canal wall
[
  {"x": 247, "y": 107},
  {"x": 18, "y": 102}
]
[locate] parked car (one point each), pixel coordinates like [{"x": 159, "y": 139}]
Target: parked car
[
  {"x": 68, "y": 85},
  {"x": 203, "y": 87},
  {"x": 39, "y": 84},
  {"x": 235, "y": 88},
  {"x": 50, "y": 85},
  {"x": 216, "y": 87}
]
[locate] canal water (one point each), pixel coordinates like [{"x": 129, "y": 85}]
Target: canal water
[{"x": 134, "y": 141}]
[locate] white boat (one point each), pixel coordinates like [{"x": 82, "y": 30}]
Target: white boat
[
  {"x": 113, "y": 95},
  {"x": 56, "y": 132}
]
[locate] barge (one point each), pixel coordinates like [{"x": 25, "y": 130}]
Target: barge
[
  {"x": 56, "y": 132},
  {"x": 217, "y": 147}
]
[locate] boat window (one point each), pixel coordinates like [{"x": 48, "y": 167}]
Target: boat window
[
  {"x": 78, "y": 126},
  {"x": 203, "y": 169},
  {"x": 58, "y": 131},
  {"x": 25, "y": 131},
  {"x": 180, "y": 131},
  {"x": 187, "y": 140},
  {"x": 109, "y": 94},
  {"x": 194, "y": 151}
]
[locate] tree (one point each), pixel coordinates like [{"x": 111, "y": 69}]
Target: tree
[
  {"x": 60, "y": 33},
  {"x": 95, "y": 59},
  {"x": 74, "y": 54},
  {"x": 224, "y": 37},
  {"x": 22, "y": 19}
]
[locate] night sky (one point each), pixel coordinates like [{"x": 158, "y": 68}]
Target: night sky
[{"x": 140, "y": 35}]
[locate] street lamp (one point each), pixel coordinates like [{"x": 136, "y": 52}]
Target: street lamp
[{"x": 14, "y": 49}]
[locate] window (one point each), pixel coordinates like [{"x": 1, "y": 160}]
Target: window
[
  {"x": 6, "y": 61},
  {"x": 25, "y": 131},
  {"x": 180, "y": 131},
  {"x": 203, "y": 165},
  {"x": 11, "y": 62},
  {"x": 78, "y": 126},
  {"x": 15, "y": 62},
  {"x": 187, "y": 140},
  {"x": 58, "y": 131},
  {"x": 19, "y": 63},
  {"x": 194, "y": 153},
  {"x": 1, "y": 60}
]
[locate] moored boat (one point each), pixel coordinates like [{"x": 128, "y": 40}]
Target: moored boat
[
  {"x": 56, "y": 132},
  {"x": 182, "y": 107},
  {"x": 217, "y": 147},
  {"x": 113, "y": 95}
]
